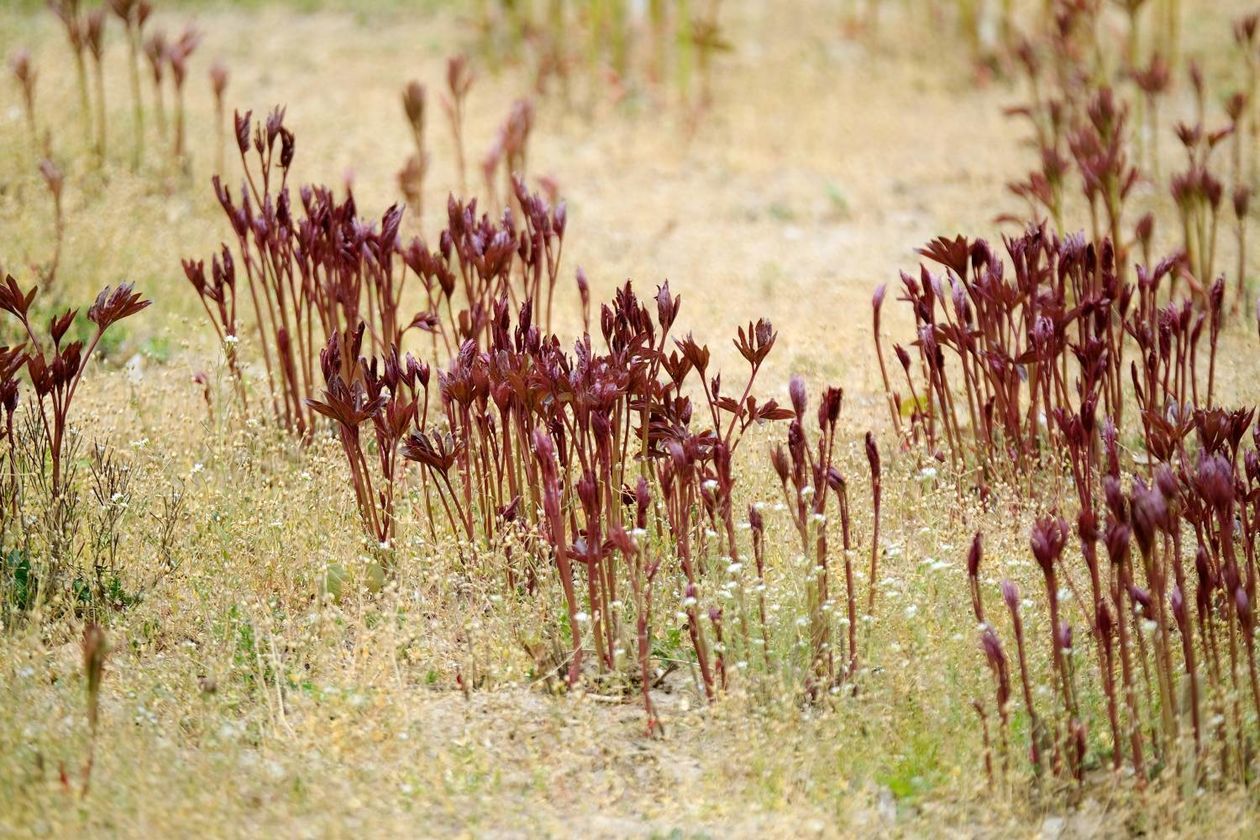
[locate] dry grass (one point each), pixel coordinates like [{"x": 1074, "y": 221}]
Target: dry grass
[{"x": 264, "y": 687}]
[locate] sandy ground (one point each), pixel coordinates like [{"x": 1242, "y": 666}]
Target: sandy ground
[{"x": 822, "y": 165}]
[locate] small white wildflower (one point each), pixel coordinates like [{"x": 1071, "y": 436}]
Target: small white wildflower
[
  {"x": 231, "y": 339},
  {"x": 710, "y": 485},
  {"x": 927, "y": 473},
  {"x": 911, "y": 611},
  {"x": 807, "y": 491},
  {"x": 197, "y": 467},
  {"x": 734, "y": 568},
  {"x": 689, "y": 601},
  {"x": 581, "y": 617},
  {"x": 819, "y": 518}
]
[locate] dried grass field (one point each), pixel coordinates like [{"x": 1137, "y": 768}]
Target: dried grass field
[{"x": 972, "y": 555}]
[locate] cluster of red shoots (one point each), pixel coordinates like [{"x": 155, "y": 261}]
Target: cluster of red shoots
[
  {"x": 605, "y": 466},
  {"x": 1168, "y": 610},
  {"x": 54, "y": 364},
  {"x": 1005, "y": 363}
]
